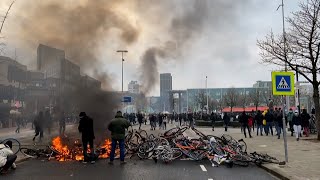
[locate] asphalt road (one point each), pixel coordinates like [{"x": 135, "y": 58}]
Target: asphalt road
[{"x": 133, "y": 170}]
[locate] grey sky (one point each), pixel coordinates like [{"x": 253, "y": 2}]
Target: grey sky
[{"x": 222, "y": 46}]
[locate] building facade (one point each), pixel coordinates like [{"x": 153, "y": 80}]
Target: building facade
[
  {"x": 165, "y": 88},
  {"x": 134, "y": 87}
]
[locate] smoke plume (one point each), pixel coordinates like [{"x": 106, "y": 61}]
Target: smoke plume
[
  {"x": 182, "y": 29},
  {"x": 78, "y": 27}
]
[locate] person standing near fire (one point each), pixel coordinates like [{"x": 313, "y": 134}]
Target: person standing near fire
[
  {"x": 38, "y": 124},
  {"x": 118, "y": 127},
  {"x": 86, "y": 129},
  {"x": 62, "y": 124}
]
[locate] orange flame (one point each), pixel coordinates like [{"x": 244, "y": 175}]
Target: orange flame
[{"x": 76, "y": 153}]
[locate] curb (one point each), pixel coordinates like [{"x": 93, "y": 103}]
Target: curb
[{"x": 275, "y": 173}]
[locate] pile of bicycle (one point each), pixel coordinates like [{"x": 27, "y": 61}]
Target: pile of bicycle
[
  {"x": 169, "y": 146},
  {"x": 172, "y": 145}
]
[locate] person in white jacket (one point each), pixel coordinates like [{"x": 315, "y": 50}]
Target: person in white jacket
[{"x": 7, "y": 158}]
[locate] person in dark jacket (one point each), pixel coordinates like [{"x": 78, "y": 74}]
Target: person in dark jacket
[
  {"x": 278, "y": 121},
  {"x": 269, "y": 119},
  {"x": 244, "y": 118},
  {"x": 62, "y": 123},
  {"x": 140, "y": 119},
  {"x": 86, "y": 129},
  {"x": 305, "y": 117},
  {"x": 226, "y": 120},
  {"x": 38, "y": 124},
  {"x": 259, "y": 120},
  {"x": 48, "y": 121},
  {"x": 296, "y": 121},
  {"x": 118, "y": 127},
  {"x": 213, "y": 120},
  {"x": 190, "y": 119}
]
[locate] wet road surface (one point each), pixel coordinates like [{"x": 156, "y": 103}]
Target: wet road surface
[{"x": 134, "y": 170}]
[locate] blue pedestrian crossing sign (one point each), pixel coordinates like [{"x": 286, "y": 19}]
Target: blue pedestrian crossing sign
[
  {"x": 283, "y": 83},
  {"x": 126, "y": 99}
]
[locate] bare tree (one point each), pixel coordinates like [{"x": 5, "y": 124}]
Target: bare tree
[
  {"x": 201, "y": 99},
  {"x": 302, "y": 48},
  {"x": 5, "y": 16},
  {"x": 255, "y": 98},
  {"x": 243, "y": 100},
  {"x": 213, "y": 104},
  {"x": 231, "y": 98},
  {"x": 2, "y": 44}
]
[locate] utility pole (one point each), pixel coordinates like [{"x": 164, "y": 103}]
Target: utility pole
[{"x": 122, "y": 60}]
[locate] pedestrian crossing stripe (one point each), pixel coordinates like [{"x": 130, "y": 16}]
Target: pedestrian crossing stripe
[{"x": 283, "y": 83}]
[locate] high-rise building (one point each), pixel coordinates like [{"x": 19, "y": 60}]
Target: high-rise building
[
  {"x": 165, "y": 88},
  {"x": 134, "y": 87}
]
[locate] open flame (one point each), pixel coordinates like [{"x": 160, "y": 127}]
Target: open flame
[{"x": 75, "y": 152}]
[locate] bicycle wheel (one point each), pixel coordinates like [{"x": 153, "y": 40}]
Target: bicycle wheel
[
  {"x": 170, "y": 132},
  {"x": 228, "y": 139},
  {"x": 31, "y": 153},
  {"x": 143, "y": 133},
  {"x": 217, "y": 149},
  {"x": 15, "y": 144},
  {"x": 176, "y": 153},
  {"x": 242, "y": 145}
]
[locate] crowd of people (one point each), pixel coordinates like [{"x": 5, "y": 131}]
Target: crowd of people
[{"x": 271, "y": 119}]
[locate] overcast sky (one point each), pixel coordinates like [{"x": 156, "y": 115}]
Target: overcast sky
[{"x": 214, "y": 38}]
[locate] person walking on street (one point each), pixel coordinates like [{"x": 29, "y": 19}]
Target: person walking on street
[
  {"x": 180, "y": 119},
  {"x": 213, "y": 120},
  {"x": 7, "y": 158},
  {"x": 269, "y": 119},
  {"x": 190, "y": 119},
  {"x": 165, "y": 123},
  {"x": 18, "y": 122},
  {"x": 86, "y": 129},
  {"x": 118, "y": 128},
  {"x": 38, "y": 124},
  {"x": 296, "y": 121},
  {"x": 279, "y": 122},
  {"x": 48, "y": 121},
  {"x": 259, "y": 120},
  {"x": 140, "y": 119},
  {"x": 226, "y": 121},
  {"x": 160, "y": 120},
  {"x": 289, "y": 118},
  {"x": 305, "y": 117},
  {"x": 62, "y": 123},
  {"x": 244, "y": 118}
]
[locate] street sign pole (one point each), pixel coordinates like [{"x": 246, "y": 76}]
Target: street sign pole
[
  {"x": 283, "y": 85},
  {"x": 284, "y": 130}
]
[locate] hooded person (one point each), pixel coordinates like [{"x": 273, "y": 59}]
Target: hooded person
[
  {"x": 297, "y": 121},
  {"x": 289, "y": 118},
  {"x": 7, "y": 158},
  {"x": 118, "y": 127},
  {"x": 86, "y": 129}
]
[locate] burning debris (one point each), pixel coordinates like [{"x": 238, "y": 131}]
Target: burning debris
[{"x": 66, "y": 150}]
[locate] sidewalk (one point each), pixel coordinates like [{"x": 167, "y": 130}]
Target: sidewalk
[{"x": 304, "y": 155}]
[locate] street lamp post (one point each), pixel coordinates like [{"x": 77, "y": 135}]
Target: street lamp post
[
  {"x": 122, "y": 51},
  {"x": 285, "y": 99}
]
